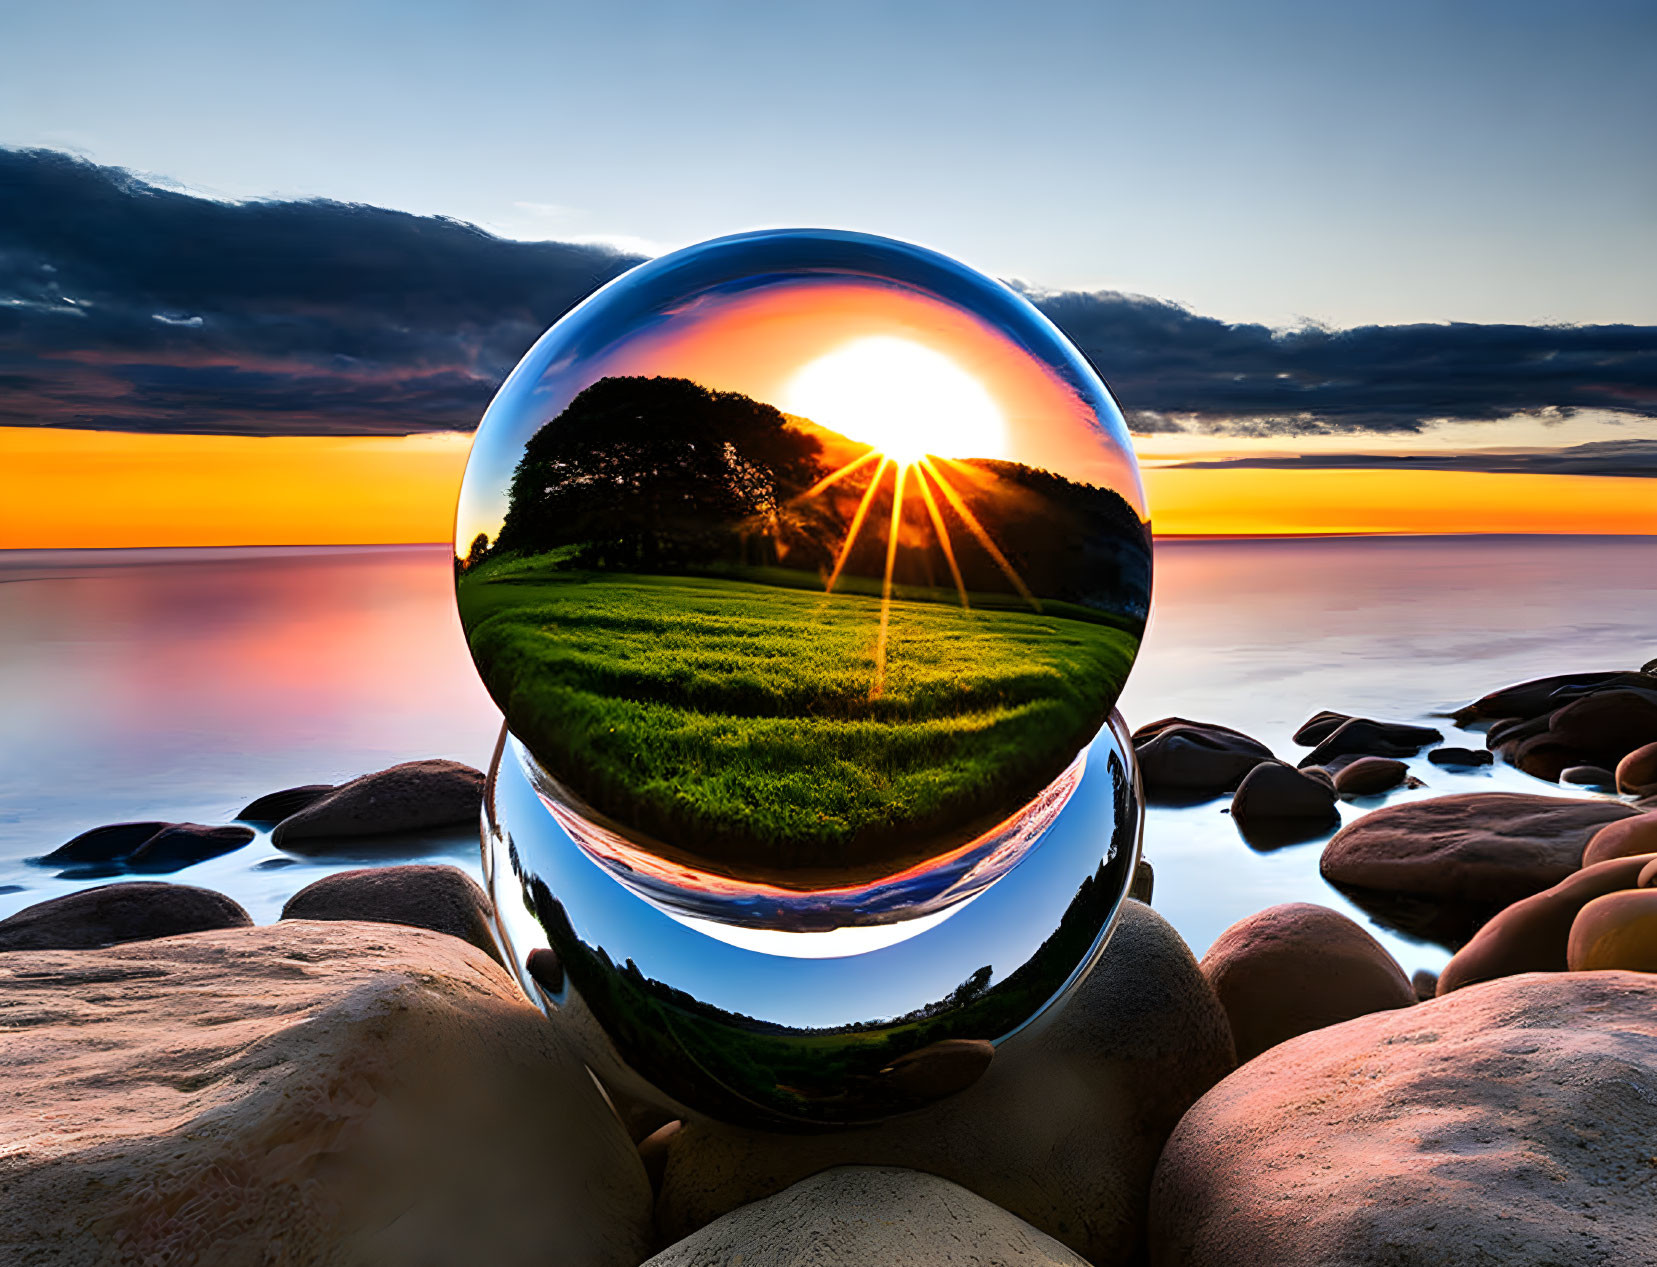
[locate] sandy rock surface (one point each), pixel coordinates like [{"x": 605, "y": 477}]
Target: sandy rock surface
[
  {"x": 1063, "y": 1129},
  {"x": 858, "y": 1216},
  {"x": 304, "y": 1093},
  {"x": 1510, "y": 1123},
  {"x": 1298, "y": 967}
]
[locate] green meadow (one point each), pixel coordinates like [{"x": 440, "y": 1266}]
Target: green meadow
[{"x": 734, "y": 720}]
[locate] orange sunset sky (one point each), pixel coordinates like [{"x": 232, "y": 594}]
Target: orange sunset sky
[{"x": 106, "y": 488}]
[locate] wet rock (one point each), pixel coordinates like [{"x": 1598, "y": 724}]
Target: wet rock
[
  {"x": 1618, "y": 930},
  {"x": 180, "y": 845},
  {"x": 1298, "y": 967},
  {"x": 1635, "y": 834},
  {"x": 348, "y": 1094},
  {"x": 1063, "y": 1129},
  {"x": 273, "y": 807},
  {"x": 1530, "y": 935},
  {"x": 104, "y": 844},
  {"x": 1276, "y": 800},
  {"x": 1318, "y": 727},
  {"x": 1196, "y": 758},
  {"x": 1545, "y": 694},
  {"x": 852, "y": 1216},
  {"x": 1637, "y": 772},
  {"x": 1460, "y": 756},
  {"x": 443, "y": 899},
  {"x": 1479, "y": 847},
  {"x": 413, "y": 797},
  {"x": 1424, "y": 983},
  {"x": 1370, "y": 776},
  {"x": 1514, "y": 728},
  {"x": 1588, "y": 776},
  {"x": 1510, "y": 1123},
  {"x": 1541, "y": 756},
  {"x": 1367, "y": 737},
  {"x": 138, "y": 910},
  {"x": 1614, "y": 721}
]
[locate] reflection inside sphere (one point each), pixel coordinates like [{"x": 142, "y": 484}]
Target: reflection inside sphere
[{"x": 804, "y": 566}]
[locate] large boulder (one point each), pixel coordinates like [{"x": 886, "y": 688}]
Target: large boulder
[
  {"x": 1195, "y": 758},
  {"x": 1637, "y": 772},
  {"x": 1544, "y": 695},
  {"x": 856, "y": 1216},
  {"x": 416, "y": 796},
  {"x": 1613, "y": 722},
  {"x": 443, "y": 899},
  {"x": 1510, "y": 1123},
  {"x": 1276, "y": 804},
  {"x": 1530, "y": 935},
  {"x": 321, "y": 1093},
  {"x": 1063, "y": 1129},
  {"x": 1618, "y": 930},
  {"x": 138, "y": 910},
  {"x": 1364, "y": 736},
  {"x": 1298, "y": 967},
  {"x": 1482, "y": 848},
  {"x": 1624, "y": 838}
]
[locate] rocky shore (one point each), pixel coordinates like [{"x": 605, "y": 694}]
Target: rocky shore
[{"x": 362, "y": 1082}]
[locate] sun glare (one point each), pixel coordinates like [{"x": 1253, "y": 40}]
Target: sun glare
[{"x": 905, "y": 399}]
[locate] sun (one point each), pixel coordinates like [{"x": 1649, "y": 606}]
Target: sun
[{"x": 902, "y": 397}]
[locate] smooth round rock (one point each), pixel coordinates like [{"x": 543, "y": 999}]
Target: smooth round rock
[
  {"x": 138, "y": 910},
  {"x": 1424, "y": 983},
  {"x": 1618, "y": 930},
  {"x": 1543, "y": 695},
  {"x": 1588, "y": 776},
  {"x": 1319, "y": 726},
  {"x": 1274, "y": 790},
  {"x": 1298, "y": 967},
  {"x": 859, "y": 1216},
  {"x": 1365, "y": 736},
  {"x": 1530, "y": 935},
  {"x": 353, "y": 1095},
  {"x": 1624, "y": 838},
  {"x": 179, "y": 845},
  {"x": 1637, "y": 772},
  {"x": 443, "y": 899},
  {"x": 1475, "y": 847},
  {"x": 1460, "y": 756},
  {"x": 1063, "y": 1128},
  {"x": 1613, "y": 721},
  {"x": 1370, "y": 776},
  {"x": 109, "y": 843},
  {"x": 1197, "y": 759},
  {"x": 412, "y": 797},
  {"x": 273, "y": 807},
  {"x": 1510, "y": 1124}
]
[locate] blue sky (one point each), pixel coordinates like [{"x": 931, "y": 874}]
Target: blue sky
[{"x": 1344, "y": 163}]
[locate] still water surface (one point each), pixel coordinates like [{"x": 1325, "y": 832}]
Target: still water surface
[{"x": 180, "y": 684}]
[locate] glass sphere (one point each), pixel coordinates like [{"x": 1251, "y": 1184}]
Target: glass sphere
[{"x": 806, "y": 568}]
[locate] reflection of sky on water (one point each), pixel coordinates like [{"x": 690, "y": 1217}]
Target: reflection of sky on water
[{"x": 183, "y": 686}]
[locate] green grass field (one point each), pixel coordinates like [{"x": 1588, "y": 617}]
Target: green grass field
[{"x": 733, "y": 720}]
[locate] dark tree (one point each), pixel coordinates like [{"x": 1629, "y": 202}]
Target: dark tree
[
  {"x": 655, "y": 473},
  {"x": 478, "y": 552}
]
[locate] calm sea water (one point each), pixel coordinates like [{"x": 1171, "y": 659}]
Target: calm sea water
[{"x": 179, "y": 684}]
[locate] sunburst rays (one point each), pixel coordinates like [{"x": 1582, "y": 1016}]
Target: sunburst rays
[{"x": 926, "y": 473}]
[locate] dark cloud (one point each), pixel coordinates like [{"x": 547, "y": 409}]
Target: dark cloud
[
  {"x": 1602, "y": 457},
  {"x": 1175, "y": 370},
  {"x": 123, "y": 305},
  {"x": 127, "y": 306}
]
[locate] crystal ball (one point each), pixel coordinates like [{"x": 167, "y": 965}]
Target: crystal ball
[{"x": 806, "y": 568}]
